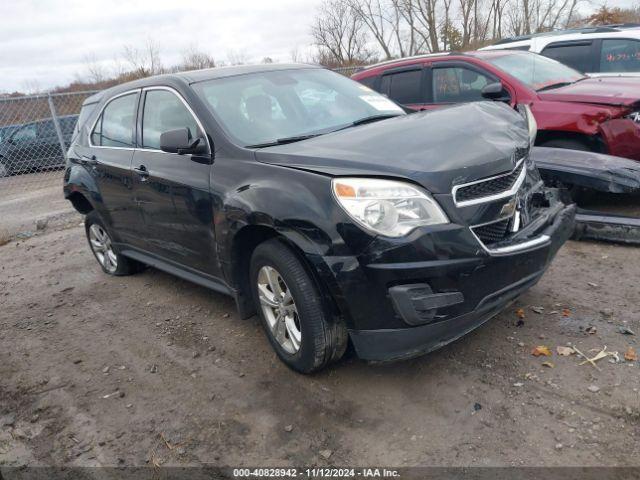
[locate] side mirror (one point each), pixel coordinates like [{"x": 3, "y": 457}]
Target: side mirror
[
  {"x": 496, "y": 92},
  {"x": 180, "y": 141}
]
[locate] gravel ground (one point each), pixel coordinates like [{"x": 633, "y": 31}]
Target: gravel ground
[{"x": 149, "y": 369}]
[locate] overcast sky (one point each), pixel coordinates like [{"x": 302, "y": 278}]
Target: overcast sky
[{"x": 45, "y": 43}]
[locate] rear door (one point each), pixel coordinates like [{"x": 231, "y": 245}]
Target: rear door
[
  {"x": 108, "y": 159},
  {"x": 172, "y": 190}
]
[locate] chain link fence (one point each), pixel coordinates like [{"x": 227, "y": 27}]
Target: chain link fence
[
  {"x": 348, "y": 71},
  {"x": 35, "y": 133}
]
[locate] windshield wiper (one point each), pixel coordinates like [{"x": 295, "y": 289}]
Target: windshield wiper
[
  {"x": 373, "y": 118},
  {"x": 362, "y": 121},
  {"x": 284, "y": 141},
  {"x": 554, "y": 85}
]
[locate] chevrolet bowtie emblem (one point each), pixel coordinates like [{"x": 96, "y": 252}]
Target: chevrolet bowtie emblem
[{"x": 508, "y": 208}]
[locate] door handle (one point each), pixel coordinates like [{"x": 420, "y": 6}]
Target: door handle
[{"x": 142, "y": 171}]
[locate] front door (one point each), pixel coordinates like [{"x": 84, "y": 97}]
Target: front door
[
  {"x": 172, "y": 190},
  {"x": 456, "y": 82}
]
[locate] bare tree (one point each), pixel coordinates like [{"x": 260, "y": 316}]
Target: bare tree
[
  {"x": 428, "y": 23},
  {"x": 237, "y": 57},
  {"x": 144, "y": 61},
  {"x": 340, "y": 35},
  {"x": 96, "y": 72},
  {"x": 195, "y": 59},
  {"x": 378, "y": 16}
]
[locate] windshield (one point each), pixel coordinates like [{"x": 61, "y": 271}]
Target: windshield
[
  {"x": 262, "y": 108},
  {"x": 535, "y": 70}
]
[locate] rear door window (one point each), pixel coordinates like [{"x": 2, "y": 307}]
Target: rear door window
[
  {"x": 458, "y": 84},
  {"x": 577, "y": 55},
  {"x": 114, "y": 127},
  {"x": 620, "y": 55},
  {"x": 403, "y": 87}
]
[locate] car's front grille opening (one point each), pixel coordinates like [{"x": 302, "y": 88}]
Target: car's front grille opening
[
  {"x": 493, "y": 232},
  {"x": 489, "y": 187}
]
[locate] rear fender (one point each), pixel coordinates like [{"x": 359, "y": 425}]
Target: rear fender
[{"x": 77, "y": 180}]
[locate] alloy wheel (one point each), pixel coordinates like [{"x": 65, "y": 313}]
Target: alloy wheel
[
  {"x": 279, "y": 309},
  {"x": 102, "y": 248}
]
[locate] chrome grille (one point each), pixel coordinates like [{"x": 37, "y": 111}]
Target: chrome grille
[
  {"x": 493, "y": 232},
  {"x": 493, "y": 188}
]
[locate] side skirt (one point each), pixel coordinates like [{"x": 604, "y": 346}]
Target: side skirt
[{"x": 188, "y": 274}]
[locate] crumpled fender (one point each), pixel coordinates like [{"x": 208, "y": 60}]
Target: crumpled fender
[{"x": 622, "y": 135}]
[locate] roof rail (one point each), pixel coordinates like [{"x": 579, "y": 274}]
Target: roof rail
[
  {"x": 413, "y": 57},
  {"x": 585, "y": 30}
]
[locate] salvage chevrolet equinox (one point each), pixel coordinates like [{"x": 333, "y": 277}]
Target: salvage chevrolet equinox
[{"x": 318, "y": 204}]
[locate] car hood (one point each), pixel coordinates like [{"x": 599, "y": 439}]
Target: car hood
[
  {"x": 617, "y": 91},
  {"x": 436, "y": 149}
]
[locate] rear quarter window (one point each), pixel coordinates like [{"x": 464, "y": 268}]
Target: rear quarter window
[{"x": 85, "y": 113}]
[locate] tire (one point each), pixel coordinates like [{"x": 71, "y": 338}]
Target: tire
[
  {"x": 299, "y": 310},
  {"x": 99, "y": 238},
  {"x": 568, "y": 144}
]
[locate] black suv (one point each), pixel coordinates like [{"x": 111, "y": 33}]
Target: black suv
[
  {"x": 35, "y": 146},
  {"x": 319, "y": 204}
]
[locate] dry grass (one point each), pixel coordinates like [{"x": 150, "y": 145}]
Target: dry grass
[{"x": 4, "y": 237}]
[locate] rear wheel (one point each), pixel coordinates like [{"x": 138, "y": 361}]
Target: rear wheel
[
  {"x": 103, "y": 249},
  {"x": 303, "y": 334}
]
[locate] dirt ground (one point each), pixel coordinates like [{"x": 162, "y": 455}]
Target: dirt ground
[
  {"x": 27, "y": 199},
  {"x": 149, "y": 369}
]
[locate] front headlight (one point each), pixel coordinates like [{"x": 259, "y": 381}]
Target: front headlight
[
  {"x": 387, "y": 207},
  {"x": 531, "y": 124}
]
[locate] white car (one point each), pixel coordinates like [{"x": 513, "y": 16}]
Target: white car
[{"x": 612, "y": 50}]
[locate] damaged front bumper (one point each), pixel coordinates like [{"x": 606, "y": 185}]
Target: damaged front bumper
[{"x": 404, "y": 298}]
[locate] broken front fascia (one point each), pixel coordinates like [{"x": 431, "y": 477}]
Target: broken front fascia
[{"x": 602, "y": 173}]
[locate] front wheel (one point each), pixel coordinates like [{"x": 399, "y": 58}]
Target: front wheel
[
  {"x": 303, "y": 334},
  {"x": 103, "y": 249}
]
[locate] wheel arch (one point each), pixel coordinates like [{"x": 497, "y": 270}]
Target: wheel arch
[
  {"x": 594, "y": 143},
  {"x": 80, "y": 203},
  {"x": 244, "y": 243}
]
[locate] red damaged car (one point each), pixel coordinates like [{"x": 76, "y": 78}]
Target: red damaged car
[{"x": 572, "y": 110}]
